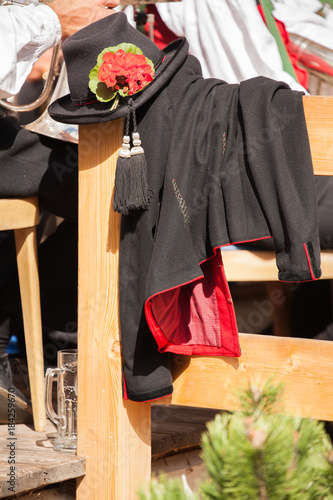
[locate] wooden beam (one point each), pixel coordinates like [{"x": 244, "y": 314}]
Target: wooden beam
[
  {"x": 319, "y": 121},
  {"x": 305, "y": 366},
  {"x": 260, "y": 265},
  {"x": 17, "y": 213},
  {"x": 113, "y": 434}
]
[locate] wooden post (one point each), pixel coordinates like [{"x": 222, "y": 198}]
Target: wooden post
[
  {"x": 113, "y": 435},
  {"x": 303, "y": 365},
  {"x": 319, "y": 121}
]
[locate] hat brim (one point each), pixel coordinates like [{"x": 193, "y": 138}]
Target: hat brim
[{"x": 65, "y": 111}]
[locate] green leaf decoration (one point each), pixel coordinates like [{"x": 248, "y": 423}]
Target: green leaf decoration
[
  {"x": 104, "y": 93},
  {"x": 100, "y": 89},
  {"x": 93, "y": 79}
]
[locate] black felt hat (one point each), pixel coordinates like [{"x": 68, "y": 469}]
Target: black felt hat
[{"x": 80, "y": 54}]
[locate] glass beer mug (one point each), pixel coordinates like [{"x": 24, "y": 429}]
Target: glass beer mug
[{"x": 66, "y": 418}]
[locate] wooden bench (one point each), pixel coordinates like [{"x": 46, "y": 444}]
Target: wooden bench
[{"x": 115, "y": 435}]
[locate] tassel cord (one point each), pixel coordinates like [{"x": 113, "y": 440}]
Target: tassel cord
[{"x": 131, "y": 183}]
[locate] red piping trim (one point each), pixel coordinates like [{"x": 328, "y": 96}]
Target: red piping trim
[
  {"x": 223, "y": 291},
  {"x": 125, "y": 390},
  {"x": 156, "y": 399},
  {"x": 309, "y": 262},
  {"x": 176, "y": 286},
  {"x": 245, "y": 241},
  {"x": 198, "y": 350},
  {"x": 147, "y": 400},
  {"x": 206, "y": 260},
  {"x": 303, "y": 281},
  {"x": 84, "y": 103}
]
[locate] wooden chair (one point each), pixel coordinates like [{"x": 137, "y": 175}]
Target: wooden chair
[
  {"x": 113, "y": 434},
  {"x": 22, "y": 216}
]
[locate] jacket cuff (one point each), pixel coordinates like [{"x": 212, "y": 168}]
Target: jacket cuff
[
  {"x": 296, "y": 277},
  {"x": 312, "y": 273}
]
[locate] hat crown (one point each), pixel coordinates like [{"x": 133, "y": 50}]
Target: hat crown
[{"x": 81, "y": 51}]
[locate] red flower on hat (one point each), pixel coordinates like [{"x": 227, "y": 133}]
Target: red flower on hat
[
  {"x": 127, "y": 71},
  {"x": 120, "y": 71}
]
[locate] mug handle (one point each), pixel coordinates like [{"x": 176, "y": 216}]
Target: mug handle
[{"x": 59, "y": 421}]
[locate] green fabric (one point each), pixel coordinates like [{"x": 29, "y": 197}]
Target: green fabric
[
  {"x": 327, "y": 2},
  {"x": 268, "y": 8}
]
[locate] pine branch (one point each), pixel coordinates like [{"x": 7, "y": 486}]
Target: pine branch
[{"x": 258, "y": 454}]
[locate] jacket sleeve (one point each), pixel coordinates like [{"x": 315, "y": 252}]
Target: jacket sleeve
[{"x": 278, "y": 160}]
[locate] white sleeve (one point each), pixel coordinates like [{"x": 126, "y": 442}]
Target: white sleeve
[
  {"x": 228, "y": 37},
  {"x": 25, "y": 33},
  {"x": 303, "y": 20}
]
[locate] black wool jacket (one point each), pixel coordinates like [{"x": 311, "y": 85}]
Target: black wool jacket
[{"x": 227, "y": 163}]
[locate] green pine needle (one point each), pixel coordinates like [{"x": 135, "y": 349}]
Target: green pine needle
[
  {"x": 258, "y": 454},
  {"x": 166, "y": 489}
]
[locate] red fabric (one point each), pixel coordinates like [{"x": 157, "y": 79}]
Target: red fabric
[
  {"x": 301, "y": 73},
  {"x": 197, "y": 317},
  {"x": 313, "y": 61},
  {"x": 162, "y": 34},
  {"x": 309, "y": 261},
  {"x": 124, "y": 387},
  {"x": 246, "y": 241}
]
